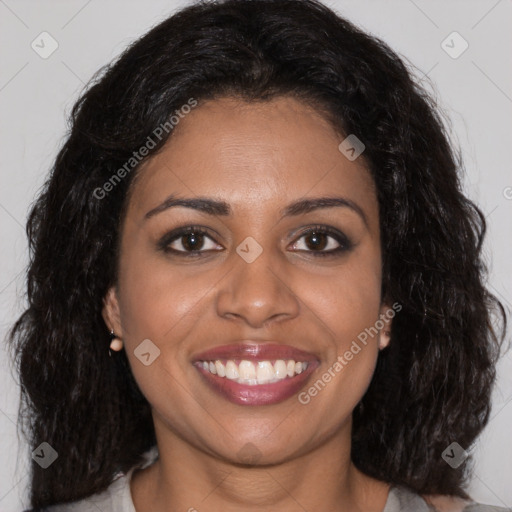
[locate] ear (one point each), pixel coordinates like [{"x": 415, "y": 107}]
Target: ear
[
  {"x": 387, "y": 319},
  {"x": 111, "y": 313}
]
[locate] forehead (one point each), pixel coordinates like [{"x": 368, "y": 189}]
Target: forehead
[{"x": 253, "y": 155}]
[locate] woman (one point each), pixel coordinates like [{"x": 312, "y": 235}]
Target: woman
[{"x": 255, "y": 282}]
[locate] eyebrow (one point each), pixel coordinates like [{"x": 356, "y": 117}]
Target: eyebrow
[{"x": 221, "y": 208}]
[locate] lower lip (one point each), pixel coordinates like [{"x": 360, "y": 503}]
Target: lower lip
[{"x": 260, "y": 394}]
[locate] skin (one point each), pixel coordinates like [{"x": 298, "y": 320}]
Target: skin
[{"x": 258, "y": 157}]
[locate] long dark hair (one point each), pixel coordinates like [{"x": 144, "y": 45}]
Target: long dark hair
[{"x": 432, "y": 384}]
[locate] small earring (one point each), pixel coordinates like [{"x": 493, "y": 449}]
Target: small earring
[
  {"x": 116, "y": 344},
  {"x": 384, "y": 343}
]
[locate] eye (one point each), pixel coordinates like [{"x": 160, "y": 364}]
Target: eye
[
  {"x": 195, "y": 241},
  {"x": 191, "y": 240},
  {"x": 322, "y": 241}
]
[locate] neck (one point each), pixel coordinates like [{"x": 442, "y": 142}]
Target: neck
[{"x": 186, "y": 478}]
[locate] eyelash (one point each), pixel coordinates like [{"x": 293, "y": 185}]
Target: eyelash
[{"x": 344, "y": 243}]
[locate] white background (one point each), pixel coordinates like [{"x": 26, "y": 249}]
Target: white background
[{"x": 36, "y": 95}]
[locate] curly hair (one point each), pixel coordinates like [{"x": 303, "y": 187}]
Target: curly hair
[{"x": 432, "y": 384}]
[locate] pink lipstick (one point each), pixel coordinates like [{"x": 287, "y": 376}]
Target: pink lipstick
[{"x": 255, "y": 374}]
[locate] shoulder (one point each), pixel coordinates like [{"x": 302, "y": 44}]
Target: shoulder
[
  {"x": 116, "y": 498},
  {"x": 454, "y": 504},
  {"x": 402, "y": 499}
]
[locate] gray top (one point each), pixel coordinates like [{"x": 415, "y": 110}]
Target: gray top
[{"x": 117, "y": 498}]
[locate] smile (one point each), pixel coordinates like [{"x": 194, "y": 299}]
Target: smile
[{"x": 255, "y": 374}]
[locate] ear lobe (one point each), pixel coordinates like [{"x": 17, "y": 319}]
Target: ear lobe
[
  {"x": 385, "y": 332},
  {"x": 384, "y": 339},
  {"x": 111, "y": 313}
]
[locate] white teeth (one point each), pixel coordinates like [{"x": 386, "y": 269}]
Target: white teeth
[
  {"x": 232, "y": 370},
  {"x": 265, "y": 372},
  {"x": 247, "y": 372},
  {"x": 290, "y": 368},
  {"x": 280, "y": 369},
  {"x": 221, "y": 370}
]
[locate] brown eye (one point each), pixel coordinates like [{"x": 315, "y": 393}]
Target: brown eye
[
  {"x": 315, "y": 240},
  {"x": 191, "y": 240},
  {"x": 322, "y": 241}
]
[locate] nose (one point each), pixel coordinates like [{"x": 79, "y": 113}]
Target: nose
[{"x": 257, "y": 292}]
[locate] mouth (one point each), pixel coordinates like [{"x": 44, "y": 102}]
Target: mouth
[{"x": 253, "y": 374}]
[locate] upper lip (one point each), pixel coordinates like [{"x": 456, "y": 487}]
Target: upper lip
[{"x": 255, "y": 351}]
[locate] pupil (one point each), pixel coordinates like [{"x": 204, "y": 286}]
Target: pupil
[
  {"x": 318, "y": 240},
  {"x": 193, "y": 241}
]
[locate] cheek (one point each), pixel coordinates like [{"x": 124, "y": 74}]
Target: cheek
[
  {"x": 163, "y": 305},
  {"x": 347, "y": 303},
  {"x": 348, "y": 299},
  {"x": 154, "y": 298}
]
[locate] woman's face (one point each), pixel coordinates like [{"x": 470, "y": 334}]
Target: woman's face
[{"x": 255, "y": 280}]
